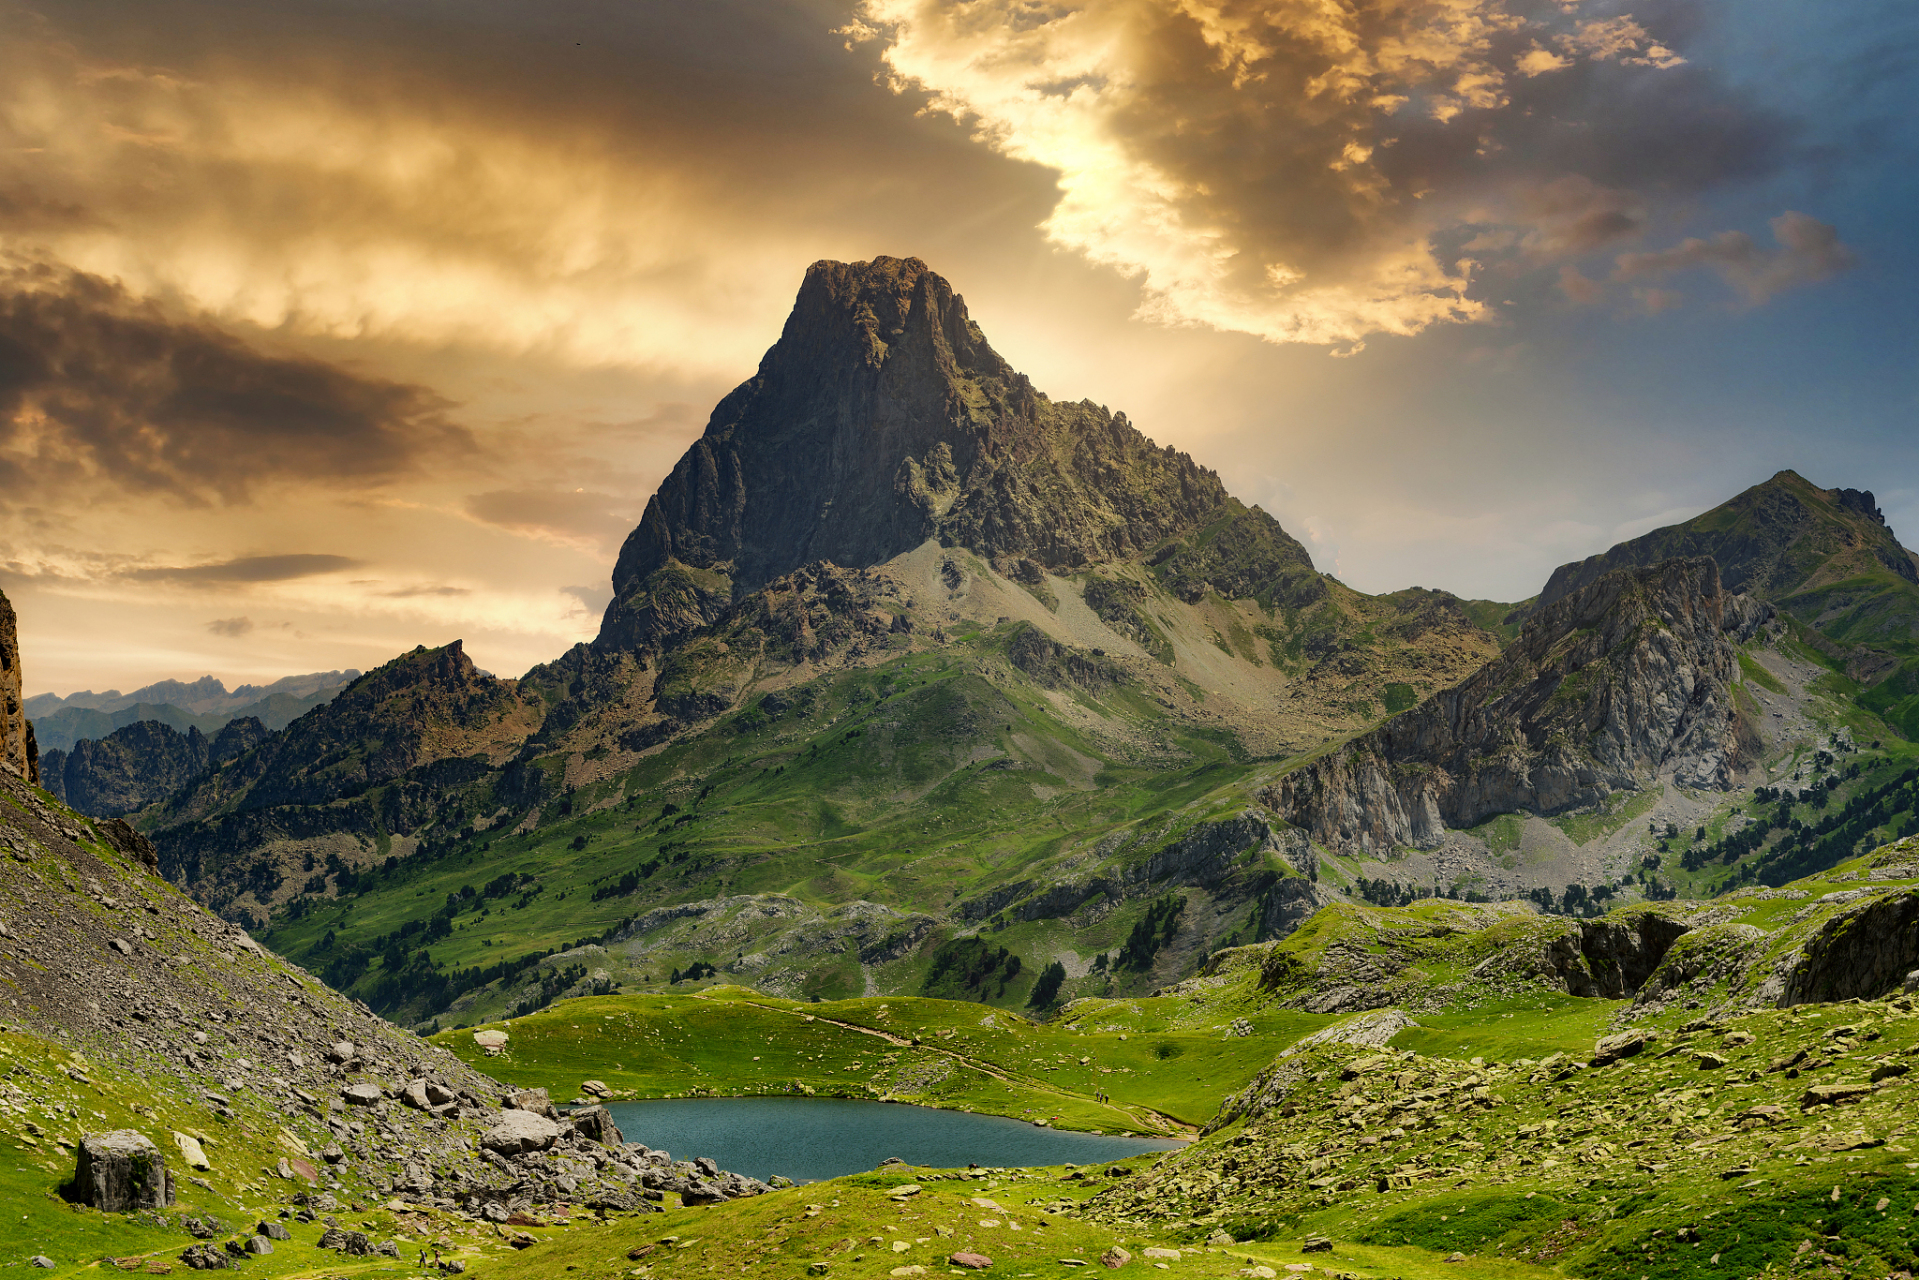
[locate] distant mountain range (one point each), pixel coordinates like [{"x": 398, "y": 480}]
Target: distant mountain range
[
  {"x": 904, "y": 653},
  {"x": 205, "y": 704}
]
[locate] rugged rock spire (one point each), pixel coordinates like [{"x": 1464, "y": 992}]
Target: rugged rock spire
[
  {"x": 882, "y": 418},
  {"x": 17, "y": 749},
  {"x": 1626, "y": 678}
]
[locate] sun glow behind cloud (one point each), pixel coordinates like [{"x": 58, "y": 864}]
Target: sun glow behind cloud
[{"x": 1288, "y": 170}]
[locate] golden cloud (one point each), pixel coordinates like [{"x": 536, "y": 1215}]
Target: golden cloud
[{"x": 1296, "y": 169}]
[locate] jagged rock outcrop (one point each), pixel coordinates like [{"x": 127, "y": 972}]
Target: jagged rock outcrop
[
  {"x": 140, "y": 763},
  {"x": 17, "y": 749},
  {"x": 1610, "y": 957},
  {"x": 1864, "y": 952},
  {"x": 1625, "y": 679},
  {"x": 375, "y": 759},
  {"x": 882, "y": 418}
]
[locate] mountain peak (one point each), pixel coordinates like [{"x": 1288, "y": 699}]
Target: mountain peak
[
  {"x": 1782, "y": 537},
  {"x": 880, "y": 419}
]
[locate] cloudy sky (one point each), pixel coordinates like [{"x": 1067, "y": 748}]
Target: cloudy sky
[{"x": 329, "y": 329}]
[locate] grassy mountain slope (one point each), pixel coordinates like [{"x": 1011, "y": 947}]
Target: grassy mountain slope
[{"x": 1825, "y": 557}]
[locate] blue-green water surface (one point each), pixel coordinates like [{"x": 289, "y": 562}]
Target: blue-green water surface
[{"x": 810, "y": 1138}]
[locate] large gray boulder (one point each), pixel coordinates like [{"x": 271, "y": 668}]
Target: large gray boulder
[
  {"x": 516, "y": 1131},
  {"x": 121, "y": 1171},
  {"x": 597, "y": 1124}
]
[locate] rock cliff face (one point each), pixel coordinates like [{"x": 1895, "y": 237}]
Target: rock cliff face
[
  {"x": 1625, "y": 679},
  {"x": 880, "y": 419},
  {"x": 143, "y": 762},
  {"x": 17, "y": 749},
  {"x": 379, "y": 757}
]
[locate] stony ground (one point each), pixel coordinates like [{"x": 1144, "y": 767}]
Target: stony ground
[{"x": 273, "y": 1099}]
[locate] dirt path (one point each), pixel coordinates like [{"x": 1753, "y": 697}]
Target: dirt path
[{"x": 1139, "y": 1116}]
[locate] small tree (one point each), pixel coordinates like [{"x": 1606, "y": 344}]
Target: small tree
[{"x": 1046, "y": 990}]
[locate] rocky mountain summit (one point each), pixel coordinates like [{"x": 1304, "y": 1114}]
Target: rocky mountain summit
[
  {"x": 1625, "y": 679},
  {"x": 367, "y": 762},
  {"x": 135, "y": 766},
  {"x": 880, "y": 420}
]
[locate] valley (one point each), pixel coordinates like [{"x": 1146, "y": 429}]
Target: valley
[{"x": 946, "y": 745}]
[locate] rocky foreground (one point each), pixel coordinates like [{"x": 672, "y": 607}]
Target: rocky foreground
[{"x": 193, "y": 1075}]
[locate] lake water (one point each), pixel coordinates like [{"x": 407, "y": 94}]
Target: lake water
[{"x": 810, "y": 1138}]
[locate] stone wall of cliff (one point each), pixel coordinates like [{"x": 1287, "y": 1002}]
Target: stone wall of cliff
[{"x": 17, "y": 749}]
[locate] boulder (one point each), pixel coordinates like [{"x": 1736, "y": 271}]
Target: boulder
[
  {"x": 364, "y": 1094},
  {"x": 1115, "y": 1258},
  {"x": 971, "y": 1261},
  {"x": 414, "y": 1094},
  {"x": 517, "y": 1131},
  {"x": 596, "y": 1123},
  {"x": 1626, "y": 1044},
  {"x": 272, "y": 1231},
  {"x": 354, "y": 1243},
  {"x": 1834, "y": 1095},
  {"x": 121, "y": 1171},
  {"x": 597, "y": 1088},
  {"x": 204, "y": 1257},
  {"x": 340, "y": 1051},
  {"x": 534, "y": 1100},
  {"x": 192, "y": 1152}
]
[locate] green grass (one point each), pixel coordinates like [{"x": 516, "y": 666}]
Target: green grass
[
  {"x": 1755, "y": 674},
  {"x": 1529, "y": 1026},
  {"x": 1618, "y": 809}
]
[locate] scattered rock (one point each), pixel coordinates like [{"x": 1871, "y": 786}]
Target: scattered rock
[
  {"x": 1115, "y": 1258},
  {"x": 1316, "y": 1244},
  {"x": 42, "y": 1261},
  {"x": 596, "y": 1088},
  {"x": 204, "y": 1257},
  {"x": 364, "y": 1094},
  {"x": 191, "y": 1151},
  {"x": 1834, "y": 1095},
  {"x": 1626, "y": 1044},
  {"x": 348, "y": 1242},
  {"x": 971, "y": 1261}
]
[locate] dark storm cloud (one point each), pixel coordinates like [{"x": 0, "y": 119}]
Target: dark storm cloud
[
  {"x": 1307, "y": 172},
  {"x": 95, "y": 384},
  {"x": 247, "y": 569}
]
